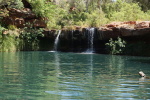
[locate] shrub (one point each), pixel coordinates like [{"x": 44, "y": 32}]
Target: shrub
[
  {"x": 29, "y": 38},
  {"x": 115, "y": 46},
  {"x": 8, "y": 41}
]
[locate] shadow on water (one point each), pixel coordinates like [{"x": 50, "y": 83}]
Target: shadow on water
[{"x": 141, "y": 60}]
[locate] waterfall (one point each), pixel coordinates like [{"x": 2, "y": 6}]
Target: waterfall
[
  {"x": 57, "y": 41},
  {"x": 72, "y": 40},
  {"x": 90, "y": 40}
]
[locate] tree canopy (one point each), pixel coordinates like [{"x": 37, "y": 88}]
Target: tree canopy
[{"x": 86, "y": 13}]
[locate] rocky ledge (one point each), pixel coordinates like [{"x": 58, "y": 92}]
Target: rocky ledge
[
  {"x": 129, "y": 28},
  {"x": 19, "y": 18},
  {"x": 112, "y": 30}
]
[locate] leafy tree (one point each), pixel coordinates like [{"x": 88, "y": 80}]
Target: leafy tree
[
  {"x": 123, "y": 11},
  {"x": 96, "y": 18},
  {"x": 48, "y": 10},
  {"x": 145, "y": 4},
  {"x": 59, "y": 13}
]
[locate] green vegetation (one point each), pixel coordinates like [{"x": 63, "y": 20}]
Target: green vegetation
[
  {"x": 123, "y": 11},
  {"x": 88, "y": 13},
  {"x": 144, "y": 4},
  {"x": 12, "y": 4},
  {"x": 8, "y": 40},
  {"x": 115, "y": 46},
  {"x": 68, "y": 14},
  {"x": 14, "y": 39},
  {"x": 29, "y": 38},
  {"x": 85, "y": 13},
  {"x": 47, "y": 10}
]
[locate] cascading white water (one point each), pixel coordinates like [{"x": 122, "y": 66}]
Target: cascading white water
[
  {"x": 90, "y": 40},
  {"x": 57, "y": 41}
]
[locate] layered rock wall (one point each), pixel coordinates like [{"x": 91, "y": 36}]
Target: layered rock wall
[
  {"x": 77, "y": 40},
  {"x": 113, "y": 30},
  {"x": 19, "y": 18}
]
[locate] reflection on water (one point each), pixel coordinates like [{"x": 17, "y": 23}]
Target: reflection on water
[
  {"x": 66, "y": 76},
  {"x": 57, "y": 62}
]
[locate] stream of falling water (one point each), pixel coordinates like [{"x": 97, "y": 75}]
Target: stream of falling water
[
  {"x": 90, "y": 40},
  {"x": 57, "y": 41}
]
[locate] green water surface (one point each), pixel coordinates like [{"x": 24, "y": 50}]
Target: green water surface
[{"x": 72, "y": 76}]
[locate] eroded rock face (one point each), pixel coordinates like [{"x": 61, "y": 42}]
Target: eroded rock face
[
  {"x": 130, "y": 28},
  {"x": 114, "y": 30},
  {"x": 129, "y": 24},
  {"x": 142, "y": 24},
  {"x": 19, "y": 18}
]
